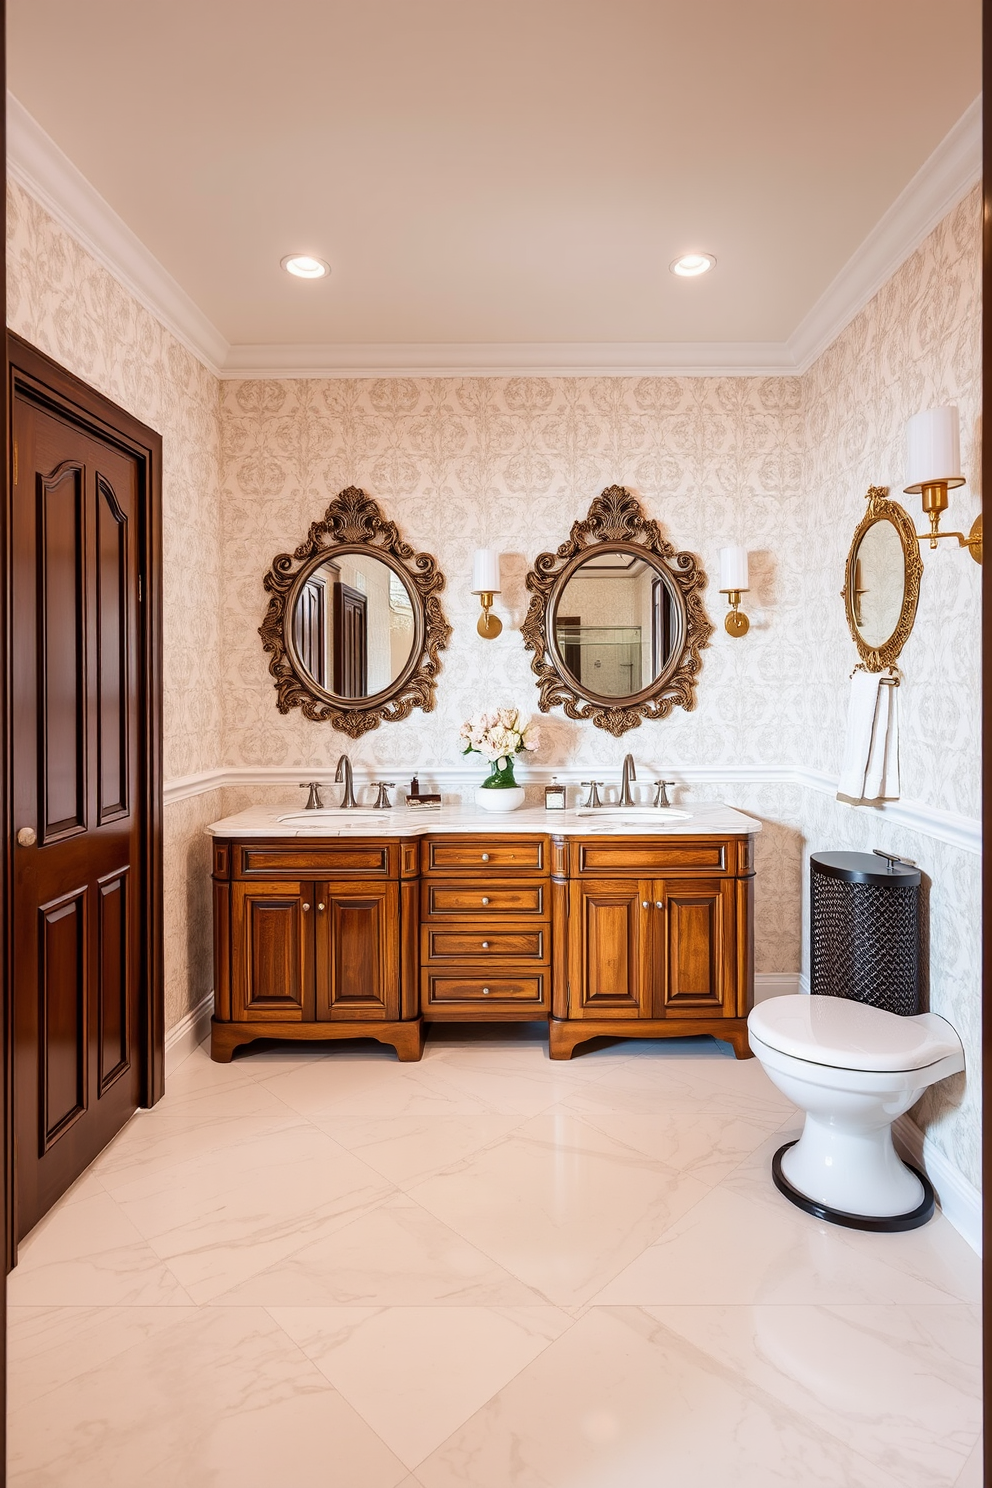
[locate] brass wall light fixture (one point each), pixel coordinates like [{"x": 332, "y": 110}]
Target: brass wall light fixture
[
  {"x": 486, "y": 583},
  {"x": 734, "y": 583},
  {"x": 933, "y": 467}
]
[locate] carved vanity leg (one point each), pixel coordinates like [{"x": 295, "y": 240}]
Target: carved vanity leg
[{"x": 408, "y": 1040}]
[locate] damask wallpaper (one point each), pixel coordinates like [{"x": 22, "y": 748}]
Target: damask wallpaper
[
  {"x": 71, "y": 307},
  {"x": 778, "y": 464}
]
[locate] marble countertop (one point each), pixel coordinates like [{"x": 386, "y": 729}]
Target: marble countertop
[{"x": 707, "y": 819}]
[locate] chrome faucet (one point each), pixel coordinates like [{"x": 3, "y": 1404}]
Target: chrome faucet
[
  {"x": 344, "y": 773},
  {"x": 627, "y": 775}
]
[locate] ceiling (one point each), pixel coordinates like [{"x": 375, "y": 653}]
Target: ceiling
[{"x": 478, "y": 174}]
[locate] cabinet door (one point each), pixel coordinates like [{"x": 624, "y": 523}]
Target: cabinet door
[
  {"x": 272, "y": 951},
  {"x": 358, "y": 951},
  {"x": 695, "y": 949},
  {"x": 609, "y": 940}
]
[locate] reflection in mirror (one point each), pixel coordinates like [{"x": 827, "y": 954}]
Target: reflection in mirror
[
  {"x": 879, "y": 583},
  {"x": 616, "y": 626},
  {"x": 353, "y": 625}
]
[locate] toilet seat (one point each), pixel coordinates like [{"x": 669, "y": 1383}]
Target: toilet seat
[{"x": 845, "y": 1035}]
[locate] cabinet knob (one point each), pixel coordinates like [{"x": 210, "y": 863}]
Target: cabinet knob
[
  {"x": 485, "y": 991},
  {"x": 305, "y": 908},
  {"x": 27, "y": 836},
  {"x": 645, "y": 904},
  {"x": 485, "y": 901},
  {"x": 485, "y": 857},
  {"x": 485, "y": 945},
  {"x": 320, "y": 907},
  {"x": 657, "y": 904}
]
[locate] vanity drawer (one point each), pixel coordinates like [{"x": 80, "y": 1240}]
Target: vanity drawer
[
  {"x": 484, "y": 899},
  {"x": 513, "y": 855},
  {"x": 367, "y": 859},
  {"x": 508, "y": 943},
  {"x": 479, "y": 993},
  {"x": 600, "y": 856}
]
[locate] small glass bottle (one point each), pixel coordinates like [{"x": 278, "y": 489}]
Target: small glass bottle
[{"x": 554, "y": 796}]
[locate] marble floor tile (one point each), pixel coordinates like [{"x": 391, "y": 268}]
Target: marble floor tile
[
  {"x": 221, "y": 1399},
  {"x": 223, "y": 1216},
  {"x": 90, "y": 1254},
  {"x": 376, "y": 1089},
  {"x": 407, "y": 1149},
  {"x": 416, "y": 1374},
  {"x": 900, "y": 1385},
  {"x": 559, "y": 1204},
  {"x": 619, "y": 1401},
  {"x": 730, "y": 1249},
  {"x": 395, "y": 1255},
  {"x": 49, "y": 1346},
  {"x": 972, "y": 1475},
  {"x": 706, "y": 1147}
]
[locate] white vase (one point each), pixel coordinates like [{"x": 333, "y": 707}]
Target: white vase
[{"x": 507, "y": 798}]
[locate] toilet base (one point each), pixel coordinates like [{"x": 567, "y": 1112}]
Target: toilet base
[{"x": 909, "y": 1221}]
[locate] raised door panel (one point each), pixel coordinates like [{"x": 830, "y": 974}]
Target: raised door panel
[
  {"x": 358, "y": 951},
  {"x": 63, "y": 1031},
  {"x": 608, "y": 942},
  {"x": 113, "y": 955},
  {"x": 61, "y": 613},
  {"x": 115, "y": 658},
  {"x": 272, "y": 951},
  {"x": 698, "y": 958}
]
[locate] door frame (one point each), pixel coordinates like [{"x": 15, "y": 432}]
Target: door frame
[{"x": 33, "y": 375}]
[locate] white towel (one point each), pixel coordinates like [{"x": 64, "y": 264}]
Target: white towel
[{"x": 870, "y": 771}]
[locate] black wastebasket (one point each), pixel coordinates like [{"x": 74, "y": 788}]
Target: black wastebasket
[{"x": 865, "y": 930}]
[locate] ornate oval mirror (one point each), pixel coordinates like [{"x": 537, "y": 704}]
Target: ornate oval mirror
[
  {"x": 355, "y": 624},
  {"x": 616, "y": 621},
  {"x": 882, "y": 581}
]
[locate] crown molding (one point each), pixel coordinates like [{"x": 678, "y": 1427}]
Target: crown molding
[
  {"x": 513, "y": 359},
  {"x": 37, "y": 164},
  {"x": 945, "y": 179}
]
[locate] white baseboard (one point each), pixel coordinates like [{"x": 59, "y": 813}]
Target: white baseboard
[
  {"x": 960, "y": 1202},
  {"x": 776, "y": 984},
  {"x": 188, "y": 1034}
]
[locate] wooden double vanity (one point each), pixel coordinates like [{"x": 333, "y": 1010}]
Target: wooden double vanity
[{"x": 372, "y": 924}]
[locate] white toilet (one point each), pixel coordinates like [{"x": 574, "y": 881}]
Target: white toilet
[{"x": 853, "y": 1069}]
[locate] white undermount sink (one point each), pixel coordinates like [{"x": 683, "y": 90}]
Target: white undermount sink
[
  {"x": 658, "y": 814},
  {"x": 331, "y": 816}
]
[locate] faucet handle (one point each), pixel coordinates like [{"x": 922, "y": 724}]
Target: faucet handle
[
  {"x": 382, "y": 801},
  {"x": 314, "y": 803},
  {"x": 593, "y": 798},
  {"x": 661, "y": 794}
]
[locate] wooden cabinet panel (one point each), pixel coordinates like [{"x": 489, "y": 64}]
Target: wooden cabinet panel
[
  {"x": 358, "y": 974},
  {"x": 477, "y": 993},
  {"x": 516, "y": 854},
  {"x": 331, "y": 859},
  {"x": 484, "y": 899},
  {"x": 519, "y": 943},
  {"x": 612, "y": 857},
  {"x": 272, "y": 951},
  {"x": 609, "y": 961},
  {"x": 699, "y": 958}
]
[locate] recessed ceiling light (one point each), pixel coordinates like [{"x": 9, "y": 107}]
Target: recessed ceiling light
[
  {"x": 305, "y": 267},
  {"x": 691, "y": 264}
]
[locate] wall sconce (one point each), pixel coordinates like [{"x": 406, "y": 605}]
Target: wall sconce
[
  {"x": 734, "y": 583},
  {"x": 933, "y": 465},
  {"x": 485, "y": 583}
]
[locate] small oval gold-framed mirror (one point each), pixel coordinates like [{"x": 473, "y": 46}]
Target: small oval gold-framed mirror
[
  {"x": 882, "y": 581},
  {"x": 355, "y": 624},
  {"x": 616, "y": 621}
]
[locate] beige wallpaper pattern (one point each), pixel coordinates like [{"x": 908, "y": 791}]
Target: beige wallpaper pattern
[
  {"x": 64, "y": 302},
  {"x": 780, "y": 464}
]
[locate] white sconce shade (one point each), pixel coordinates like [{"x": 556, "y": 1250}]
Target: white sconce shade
[
  {"x": 733, "y": 569},
  {"x": 485, "y": 571},
  {"x": 933, "y": 450}
]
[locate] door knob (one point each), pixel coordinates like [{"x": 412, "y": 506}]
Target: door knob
[{"x": 27, "y": 836}]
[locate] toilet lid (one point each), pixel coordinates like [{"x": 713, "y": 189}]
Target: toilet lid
[{"x": 851, "y": 1035}]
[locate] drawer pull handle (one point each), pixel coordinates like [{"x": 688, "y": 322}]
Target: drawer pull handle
[
  {"x": 485, "y": 991},
  {"x": 305, "y": 908},
  {"x": 485, "y": 945},
  {"x": 485, "y": 857},
  {"x": 485, "y": 901}
]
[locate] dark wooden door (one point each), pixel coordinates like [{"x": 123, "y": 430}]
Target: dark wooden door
[
  {"x": 272, "y": 954},
  {"x": 310, "y": 629},
  {"x": 351, "y": 642},
  {"x": 358, "y": 951},
  {"x": 77, "y": 798},
  {"x": 610, "y": 949}
]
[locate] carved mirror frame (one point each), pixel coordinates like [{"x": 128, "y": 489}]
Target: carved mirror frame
[
  {"x": 616, "y": 523},
  {"x": 881, "y": 509},
  {"x": 354, "y": 523}
]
